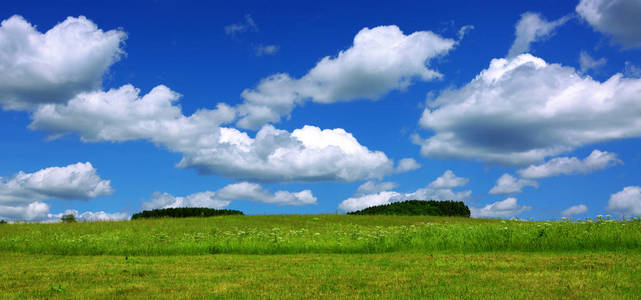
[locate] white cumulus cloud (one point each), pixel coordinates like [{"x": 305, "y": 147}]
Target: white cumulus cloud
[
  {"x": 522, "y": 110},
  {"x": 224, "y": 196},
  {"x": 508, "y": 184},
  {"x": 306, "y": 154},
  {"x": 203, "y": 199},
  {"x": 616, "y": 18},
  {"x": 254, "y": 192},
  {"x": 575, "y": 210},
  {"x": 531, "y": 28},
  {"x": 73, "y": 182},
  {"x": 381, "y": 59},
  {"x": 89, "y": 216},
  {"x": 448, "y": 180},
  {"x": 407, "y": 164},
  {"x": 597, "y": 160},
  {"x": 122, "y": 114},
  {"x": 29, "y": 212},
  {"x": 380, "y": 198},
  {"x": 54, "y": 66},
  {"x": 22, "y": 195},
  {"x": 626, "y": 202},
  {"x": 371, "y": 187},
  {"x": 439, "y": 189},
  {"x": 500, "y": 209}
]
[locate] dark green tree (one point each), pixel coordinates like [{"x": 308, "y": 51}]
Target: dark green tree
[{"x": 68, "y": 218}]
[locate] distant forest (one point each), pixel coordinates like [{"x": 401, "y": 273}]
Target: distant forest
[
  {"x": 418, "y": 207},
  {"x": 184, "y": 212}
]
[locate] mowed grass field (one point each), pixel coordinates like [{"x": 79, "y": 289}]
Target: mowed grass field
[{"x": 322, "y": 256}]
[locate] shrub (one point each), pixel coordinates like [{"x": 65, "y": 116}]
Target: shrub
[
  {"x": 69, "y": 218},
  {"x": 184, "y": 212},
  {"x": 3, "y": 222},
  {"x": 418, "y": 207}
]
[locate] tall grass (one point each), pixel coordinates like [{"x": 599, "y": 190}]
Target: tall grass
[{"x": 317, "y": 234}]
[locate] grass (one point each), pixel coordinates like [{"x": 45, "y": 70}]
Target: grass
[
  {"x": 346, "y": 276},
  {"x": 292, "y": 234},
  {"x": 322, "y": 256}
]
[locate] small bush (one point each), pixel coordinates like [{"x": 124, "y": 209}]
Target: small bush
[
  {"x": 68, "y": 218},
  {"x": 418, "y": 207},
  {"x": 3, "y": 222},
  {"x": 184, "y": 212}
]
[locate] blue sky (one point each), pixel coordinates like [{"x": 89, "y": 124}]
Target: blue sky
[{"x": 526, "y": 108}]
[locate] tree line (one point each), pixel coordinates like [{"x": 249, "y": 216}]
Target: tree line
[
  {"x": 185, "y": 212},
  {"x": 418, "y": 207}
]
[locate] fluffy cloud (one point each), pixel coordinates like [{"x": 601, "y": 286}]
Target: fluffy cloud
[
  {"x": 626, "y": 202},
  {"x": 500, "y": 209},
  {"x": 531, "y": 28},
  {"x": 439, "y": 189},
  {"x": 508, "y": 184},
  {"x": 357, "y": 203},
  {"x": 21, "y": 195},
  {"x": 616, "y": 18},
  {"x": 407, "y": 164},
  {"x": 32, "y": 211},
  {"x": 380, "y": 60},
  {"x": 575, "y": 210},
  {"x": 90, "y": 216},
  {"x": 522, "y": 110},
  {"x": 306, "y": 154},
  {"x": 204, "y": 199},
  {"x": 254, "y": 192},
  {"x": 76, "y": 181},
  {"x": 54, "y": 66},
  {"x": 429, "y": 193},
  {"x": 372, "y": 187},
  {"x": 448, "y": 180},
  {"x": 223, "y": 197},
  {"x": 122, "y": 115},
  {"x": 597, "y": 160},
  {"x": 587, "y": 62}
]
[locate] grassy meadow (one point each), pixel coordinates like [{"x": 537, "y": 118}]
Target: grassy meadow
[{"x": 334, "y": 256}]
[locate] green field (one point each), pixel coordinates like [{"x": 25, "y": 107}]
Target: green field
[{"x": 335, "y": 256}]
